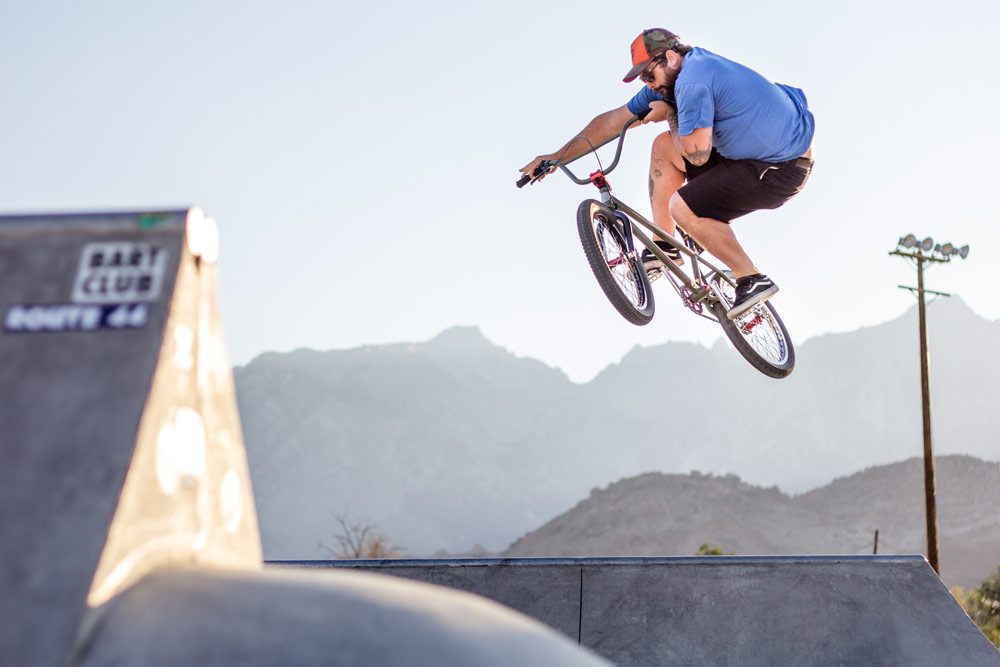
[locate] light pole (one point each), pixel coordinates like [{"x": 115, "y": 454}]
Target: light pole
[{"x": 920, "y": 252}]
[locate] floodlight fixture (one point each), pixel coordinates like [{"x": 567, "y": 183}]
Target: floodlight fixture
[
  {"x": 908, "y": 241},
  {"x": 963, "y": 252},
  {"x": 927, "y": 244},
  {"x": 948, "y": 249}
]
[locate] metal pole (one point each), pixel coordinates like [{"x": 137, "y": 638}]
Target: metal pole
[{"x": 930, "y": 495}]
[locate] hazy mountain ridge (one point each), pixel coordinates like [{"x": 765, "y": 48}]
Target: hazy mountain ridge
[
  {"x": 662, "y": 514},
  {"x": 455, "y": 441},
  {"x": 399, "y": 430}
]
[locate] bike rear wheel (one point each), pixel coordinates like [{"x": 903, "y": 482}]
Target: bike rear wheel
[
  {"x": 759, "y": 334},
  {"x": 618, "y": 272}
]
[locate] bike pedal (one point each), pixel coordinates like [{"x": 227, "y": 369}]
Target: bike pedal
[{"x": 654, "y": 274}]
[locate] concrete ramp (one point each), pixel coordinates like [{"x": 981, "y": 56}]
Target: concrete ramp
[
  {"x": 121, "y": 443},
  {"x": 767, "y": 611},
  {"x": 313, "y": 619}
]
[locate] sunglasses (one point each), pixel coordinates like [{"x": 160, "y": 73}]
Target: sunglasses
[{"x": 647, "y": 75}]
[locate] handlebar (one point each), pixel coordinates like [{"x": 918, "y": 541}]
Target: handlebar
[{"x": 548, "y": 165}]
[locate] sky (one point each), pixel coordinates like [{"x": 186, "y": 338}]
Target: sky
[{"x": 360, "y": 159}]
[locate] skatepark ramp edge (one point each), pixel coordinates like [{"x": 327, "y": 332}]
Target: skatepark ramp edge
[{"x": 725, "y": 610}]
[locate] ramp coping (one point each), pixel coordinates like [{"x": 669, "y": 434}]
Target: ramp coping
[{"x": 600, "y": 561}]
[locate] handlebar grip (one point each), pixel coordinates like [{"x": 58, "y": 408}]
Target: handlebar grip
[{"x": 543, "y": 168}]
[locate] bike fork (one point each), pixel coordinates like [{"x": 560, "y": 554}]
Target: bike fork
[
  {"x": 599, "y": 180},
  {"x": 627, "y": 230}
]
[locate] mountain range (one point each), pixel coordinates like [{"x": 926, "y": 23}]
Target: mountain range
[
  {"x": 456, "y": 442},
  {"x": 656, "y": 514}
]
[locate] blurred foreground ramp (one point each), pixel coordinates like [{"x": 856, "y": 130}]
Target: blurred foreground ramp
[
  {"x": 128, "y": 531},
  {"x": 725, "y": 610},
  {"x": 290, "y": 619},
  {"x": 121, "y": 445}
]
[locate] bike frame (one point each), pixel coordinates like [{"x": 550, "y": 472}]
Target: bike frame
[{"x": 694, "y": 290}]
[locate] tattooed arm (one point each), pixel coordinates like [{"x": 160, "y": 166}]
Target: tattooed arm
[{"x": 695, "y": 147}]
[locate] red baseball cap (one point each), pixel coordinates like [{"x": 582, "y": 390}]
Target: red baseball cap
[{"x": 648, "y": 45}]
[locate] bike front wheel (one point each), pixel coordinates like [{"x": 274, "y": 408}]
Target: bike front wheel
[
  {"x": 759, "y": 334},
  {"x": 618, "y": 271}
]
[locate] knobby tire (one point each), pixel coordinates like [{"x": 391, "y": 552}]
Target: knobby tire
[
  {"x": 759, "y": 335},
  {"x": 621, "y": 276}
]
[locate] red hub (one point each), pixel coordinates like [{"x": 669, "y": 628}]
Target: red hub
[{"x": 748, "y": 326}]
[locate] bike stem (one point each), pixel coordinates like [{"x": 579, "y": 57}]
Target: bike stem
[{"x": 600, "y": 181}]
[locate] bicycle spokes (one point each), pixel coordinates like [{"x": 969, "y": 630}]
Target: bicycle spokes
[
  {"x": 765, "y": 336},
  {"x": 617, "y": 257},
  {"x": 747, "y": 327}
]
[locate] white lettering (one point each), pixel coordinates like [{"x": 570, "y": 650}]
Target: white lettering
[
  {"x": 91, "y": 318},
  {"x": 118, "y": 318},
  {"x": 15, "y": 319},
  {"x": 73, "y": 317},
  {"x": 52, "y": 319},
  {"x": 34, "y": 318},
  {"x": 139, "y": 316},
  {"x": 120, "y": 272}
]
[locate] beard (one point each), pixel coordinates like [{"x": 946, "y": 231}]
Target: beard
[{"x": 666, "y": 91}]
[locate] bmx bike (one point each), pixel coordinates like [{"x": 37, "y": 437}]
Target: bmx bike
[{"x": 607, "y": 231}]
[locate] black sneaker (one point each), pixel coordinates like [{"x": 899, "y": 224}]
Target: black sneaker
[
  {"x": 651, "y": 262},
  {"x": 751, "y": 290}
]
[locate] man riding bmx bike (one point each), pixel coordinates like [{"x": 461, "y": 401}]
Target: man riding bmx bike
[{"x": 737, "y": 143}]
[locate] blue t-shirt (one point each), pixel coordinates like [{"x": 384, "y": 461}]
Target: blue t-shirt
[{"x": 751, "y": 118}]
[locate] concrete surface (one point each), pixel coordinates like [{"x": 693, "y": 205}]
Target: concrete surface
[
  {"x": 123, "y": 461},
  {"x": 83, "y": 508},
  {"x": 314, "y": 619},
  {"x": 719, "y": 610}
]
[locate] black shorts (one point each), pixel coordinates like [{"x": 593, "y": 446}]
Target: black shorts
[{"x": 725, "y": 189}]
